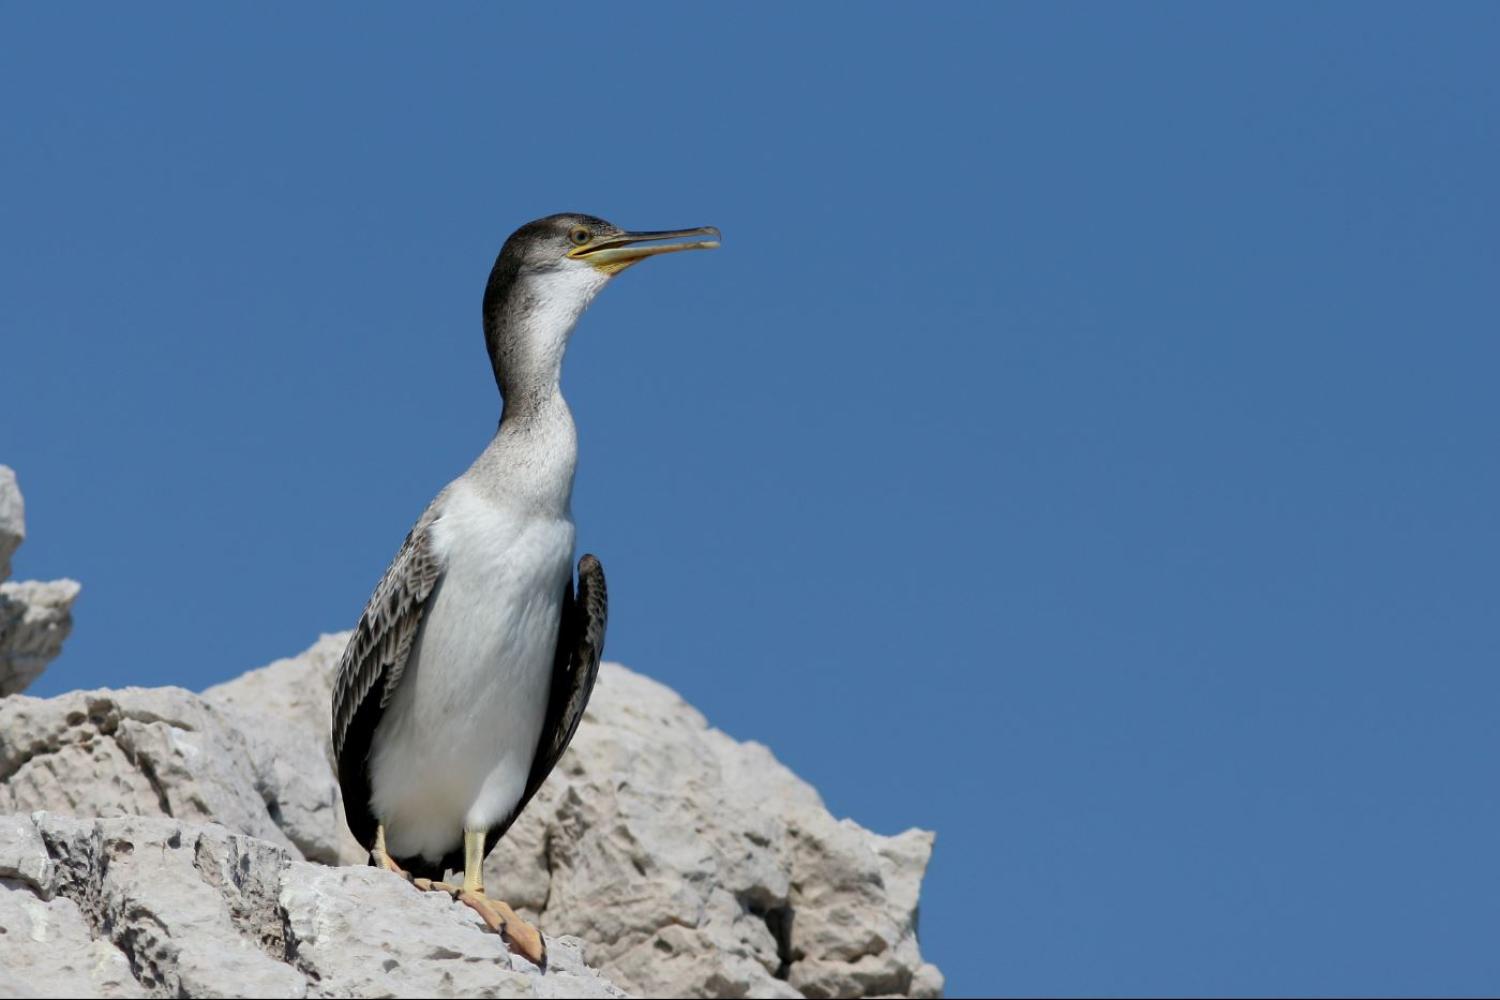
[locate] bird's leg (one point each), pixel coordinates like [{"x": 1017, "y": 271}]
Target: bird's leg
[
  {"x": 382, "y": 856},
  {"x": 522, "y": 938}
]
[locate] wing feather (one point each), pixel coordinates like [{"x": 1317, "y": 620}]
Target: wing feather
[
  {"x": 373, "y": 663},
  {"x": 580, "y": 644}
]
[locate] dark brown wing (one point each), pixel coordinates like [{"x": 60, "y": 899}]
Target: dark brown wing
[
  {"x": 580, "y": 644},
  {"x": 372, "y": 666}
]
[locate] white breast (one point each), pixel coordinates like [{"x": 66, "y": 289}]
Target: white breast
[{"x": 455, "y": 745}]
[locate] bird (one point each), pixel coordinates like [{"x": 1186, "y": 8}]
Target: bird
[{"x": 473, "y": 660}]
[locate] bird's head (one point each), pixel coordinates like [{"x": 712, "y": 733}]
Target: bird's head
[
  {"x": 569, "y": 253},
  {"x": 609, "y": 249},
  {"x": 548, "y": 272}
]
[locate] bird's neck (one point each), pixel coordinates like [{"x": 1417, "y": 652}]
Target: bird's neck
[
  {"x": 534, "y": 453},
  {"x": 526, "y": 356},
  {"x": 532, "y": 459},
  {"x": 527, "y": 321},
  {"x": 529, "y": 464}
]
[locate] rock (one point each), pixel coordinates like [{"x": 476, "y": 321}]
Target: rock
[
  {"x": 170, "y": 753},
  {"x": 135, "y": 906},
  {"x": 35, "y": 618},
  {"x": 700, "y": 866},
  {"x": 695, "y": 865},
  {"x": 12, "y": 519},
  {"x": 298, "y": 689}
]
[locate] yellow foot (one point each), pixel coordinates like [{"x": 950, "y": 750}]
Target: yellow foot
[
  {"x": 383, "y": 857},
  {"x": 384, "y": 860},
  {"x": 522, "y": 938}
]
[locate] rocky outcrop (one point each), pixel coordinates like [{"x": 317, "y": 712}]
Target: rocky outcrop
[
  {"x": 691, "y": 863},
  {"x": 134, "y": 906},
  {"x": 12, "y": 519},
  {"x": 35, "y": 617},
  {"x": 171, "y": 753},
  {"x": 697, "y": 865}
]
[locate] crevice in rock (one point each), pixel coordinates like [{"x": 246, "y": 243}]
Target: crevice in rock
[
  {"x": 149, "y": 773},
  {"x": 81, "y": 881},
  {"x": 134, "y": 937},
  {"x": 273, "y": 811},
  {"x": 251, "y": 898},
  {"x": 547, "y": 863},
  {"x": 778, "y": 920},
  {"x": 779, "y": 923},
  {"x": 204, "y": 863},
  {"x": 293, "y": 947}
]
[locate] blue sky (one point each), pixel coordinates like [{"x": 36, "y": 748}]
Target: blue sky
[{"x": 1086, "y": 443}]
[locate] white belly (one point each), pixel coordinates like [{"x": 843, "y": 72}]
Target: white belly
[{"x": 455, "y": 745}]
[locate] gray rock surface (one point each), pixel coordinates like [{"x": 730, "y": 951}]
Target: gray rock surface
[
  {"x": 296, "y": 690},
  {"x": 700, "y": 866},
  {"x": 12, "y": 519},
  {"x": 170, "y": 753},
  {"x": 35, "y": 617},
  {"x": 693, "y": 864},
  {"x": 134, "y": 906}
]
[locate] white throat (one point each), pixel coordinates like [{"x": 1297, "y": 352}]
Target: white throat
[{"x": 535, "y": 323}]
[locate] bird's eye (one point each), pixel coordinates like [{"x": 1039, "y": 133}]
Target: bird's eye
[{"x": 578, "y": 236}]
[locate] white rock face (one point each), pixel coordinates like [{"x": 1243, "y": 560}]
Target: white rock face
[
  {"x": 35, "y": 617},
  {"x": 693, "y": 864},
  {"x": 297, "y": 690},
  {"x": 168, "y": 752},
  {"x": 130, "y": 906},
  {"x": 12, "y": 519},
  {"x": 700, "y": 866}
]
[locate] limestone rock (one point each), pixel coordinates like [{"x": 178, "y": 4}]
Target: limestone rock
[
  {"x": 295, "y": 695},
  {"x": 35, "y": 618},
  {"x": 158, "y": 842},
  {"x": 135, "y": 906},
  {"x": 700, "y": 866},
  {"x": 12, "y": 519},
  {"x": 695, "y": 865},
  {"x": 168, "y": 752},
  {"x": 298, "y": 689}
]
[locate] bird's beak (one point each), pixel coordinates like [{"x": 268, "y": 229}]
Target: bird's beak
[{"x": 613, "y": 254}]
